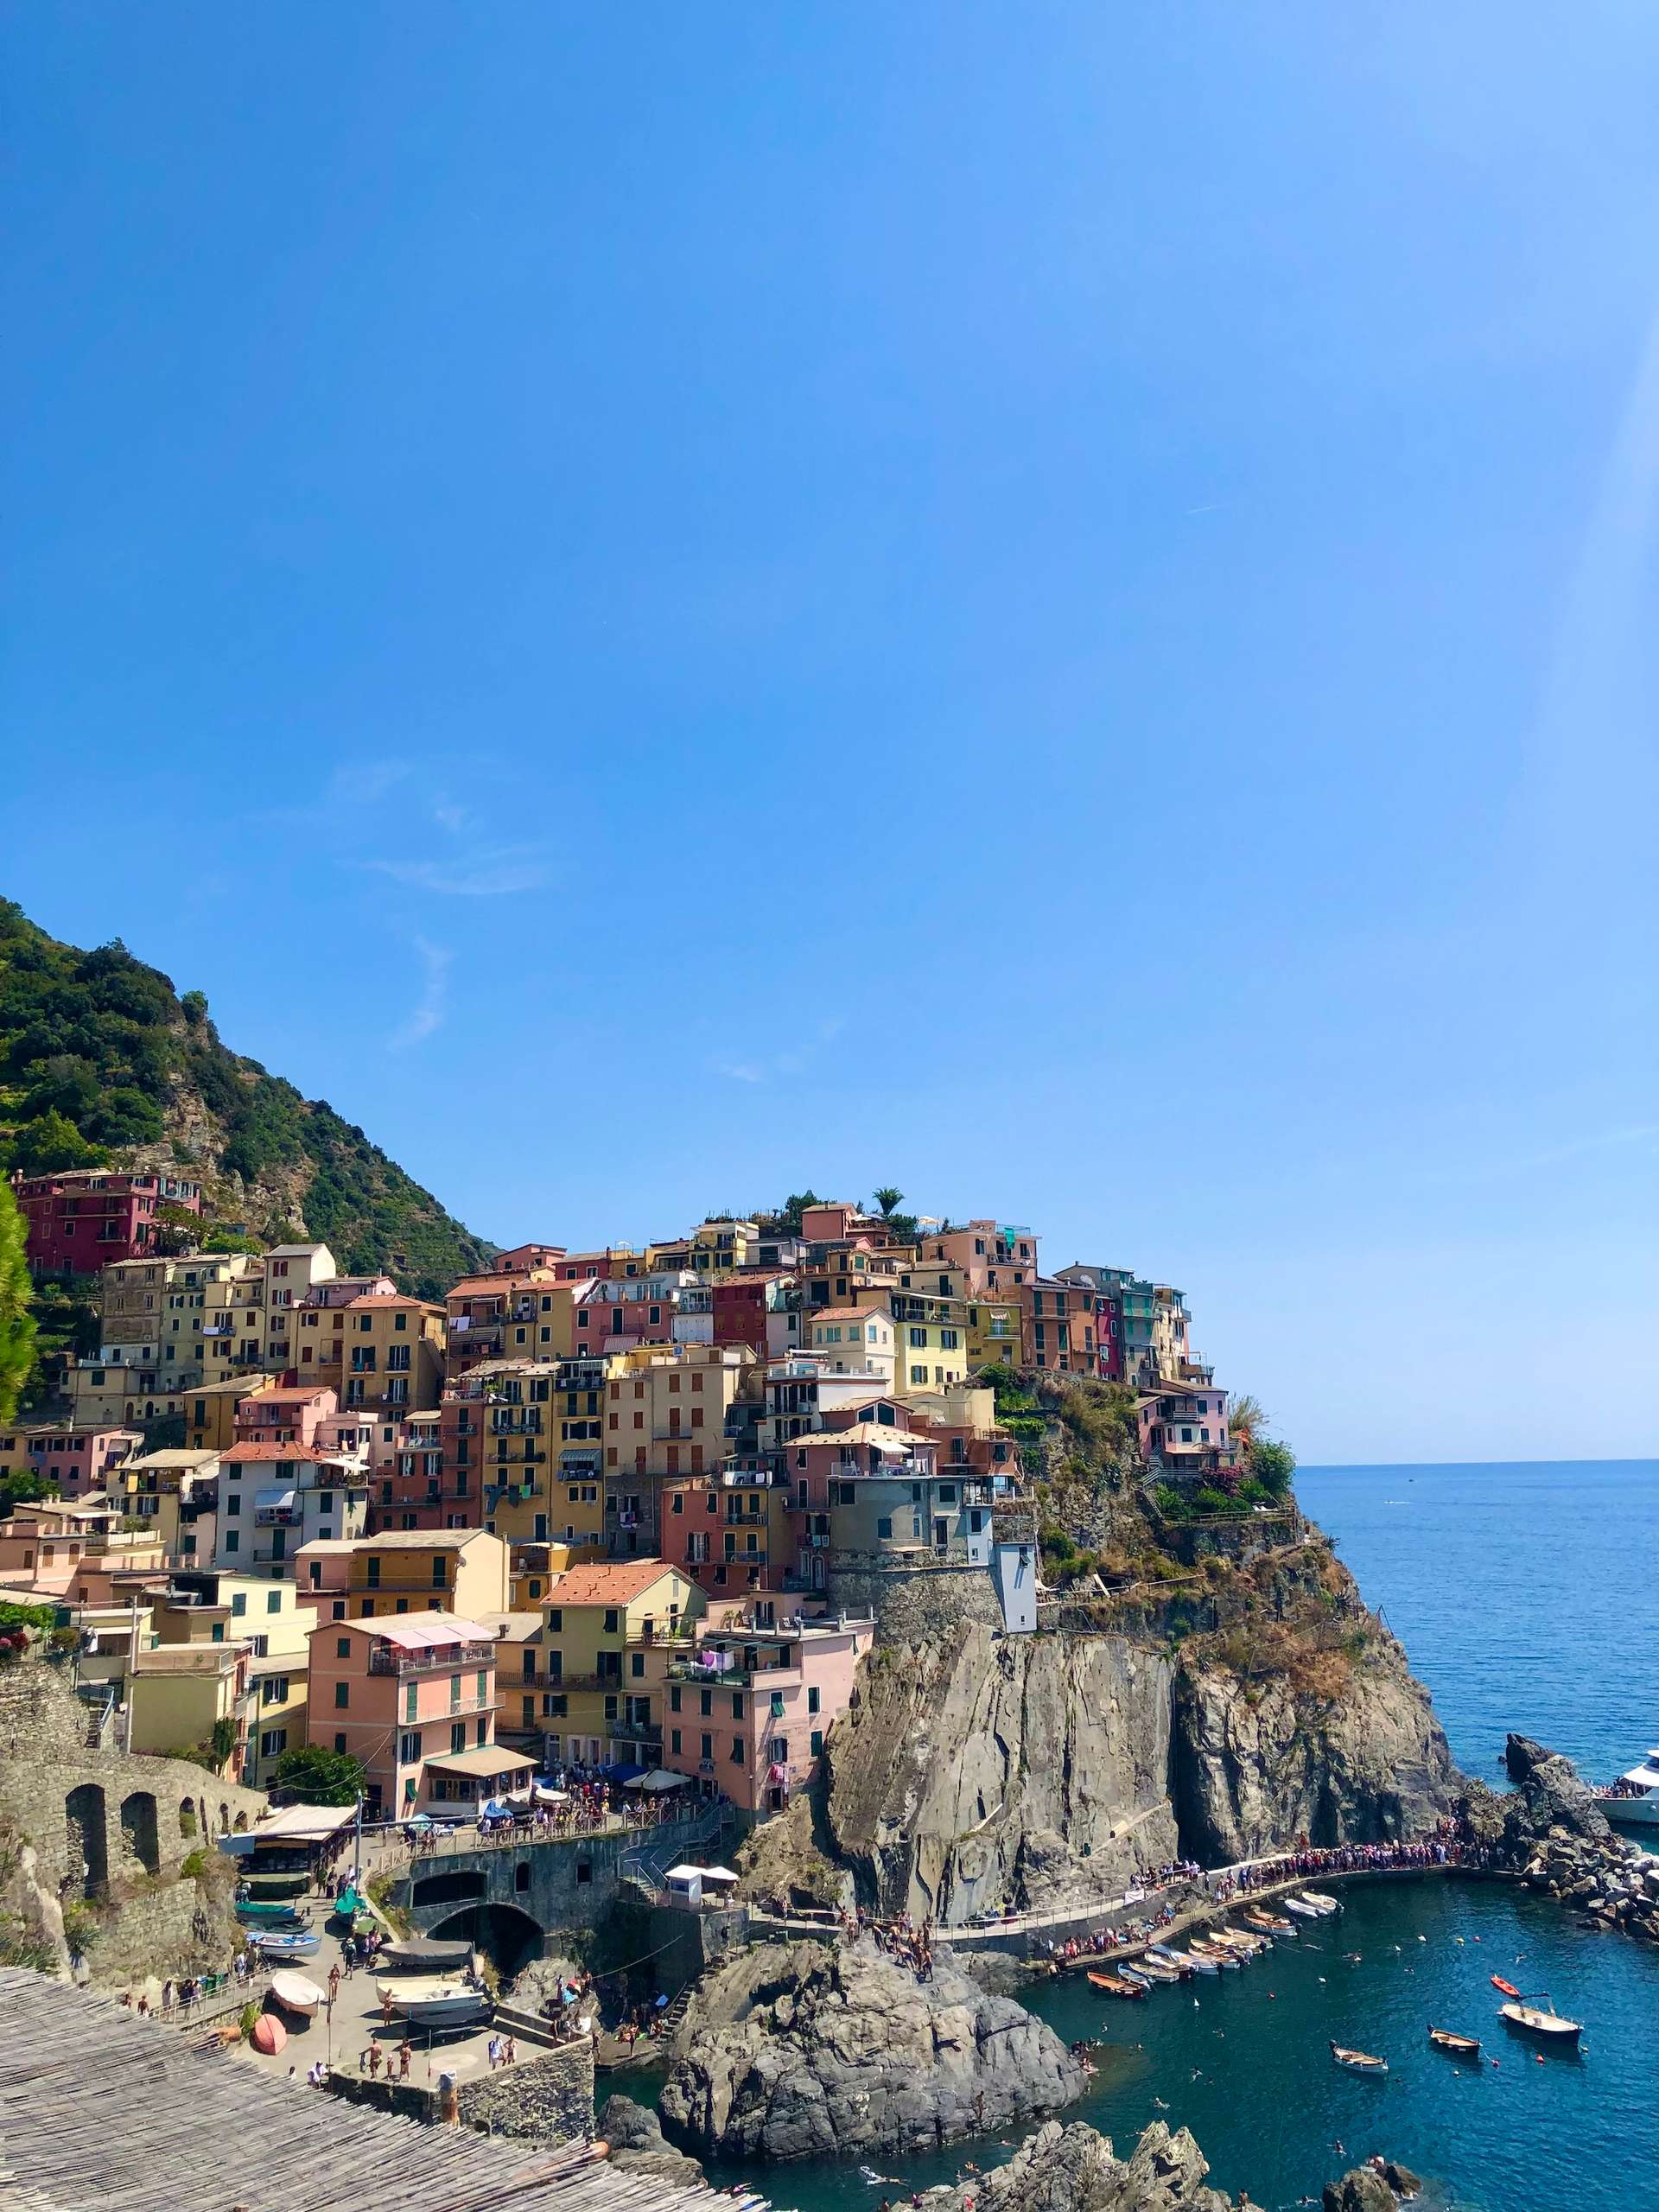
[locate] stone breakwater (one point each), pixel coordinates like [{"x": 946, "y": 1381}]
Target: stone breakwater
[
  {"x": 1075, "y": 2170},
  {"x": 1551, "y": 1832},
  {"x": 793, "y": 2051}
]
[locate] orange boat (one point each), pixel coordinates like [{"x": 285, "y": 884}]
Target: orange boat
[
  {"x": 1508, "y": 1987},
  {"x": 1114, "y": 1986}
]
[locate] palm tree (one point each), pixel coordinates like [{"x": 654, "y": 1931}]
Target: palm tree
[{"x": 889, "y": 1200}]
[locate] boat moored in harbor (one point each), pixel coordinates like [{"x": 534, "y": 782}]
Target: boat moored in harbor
[
  {"x": 1115, "y": 1985},
  {"x": 1541, "y": 2021},
  {"x": 1633, "y": 1800},
  {"x": 1358, "y": 2062},
  {"x": 1458, "y": 2046}
]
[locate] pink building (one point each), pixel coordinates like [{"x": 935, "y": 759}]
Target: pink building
[
  {"x": 322, "y": 1574},
  {"x": 289, "y": 1414},
  {"x": 79, "y": 1221},
  {"x": 748, "y": 1714},
  {"x": 413, "y": 1699},
  {"x": 76, "y": 1459}
]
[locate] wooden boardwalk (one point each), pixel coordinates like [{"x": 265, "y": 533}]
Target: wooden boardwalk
[{"x": 101, "y": 2110}]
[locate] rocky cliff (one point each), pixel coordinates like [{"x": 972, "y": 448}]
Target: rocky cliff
[
  {"x": 978, "y": 1770},
  {"x": 793, "y": 2050}
]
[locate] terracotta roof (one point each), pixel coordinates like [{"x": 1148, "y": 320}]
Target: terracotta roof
[
  {"x": 849, "y": 1313},
  {"x": 415, "y": 1540},
  {"x": 298, "y": 1392},
  {"x": 385, "y": 1302},
  {"x": 615, "y": 1584}
]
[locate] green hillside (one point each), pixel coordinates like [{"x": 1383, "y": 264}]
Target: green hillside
[{"x": 101, "y": 1061}]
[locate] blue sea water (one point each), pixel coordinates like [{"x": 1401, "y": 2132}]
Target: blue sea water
[{"x": 1527, "y": 1597}]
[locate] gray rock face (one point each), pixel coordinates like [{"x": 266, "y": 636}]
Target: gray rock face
[
  {"x": 1260, "y": 1764},
  {"x": 1551, "y": 1792},
  {"x": 635, "y": 2137},
  {"x": 1362, "y": 2189},
  {"x": 794, "y": 2050},
  {"x": 979, "y": 1770},
  {"x": 1073, "y": 2169}
]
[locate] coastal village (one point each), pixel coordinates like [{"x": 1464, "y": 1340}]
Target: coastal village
[{"x": 678, "y": 1654}]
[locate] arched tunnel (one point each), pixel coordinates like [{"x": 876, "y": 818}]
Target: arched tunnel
[{"x": 507, "y": 1936}]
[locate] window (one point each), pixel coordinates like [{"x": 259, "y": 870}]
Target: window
[
  {"x": 610, "y": 1620},
  {"x": 813, "y": 1698},
  {"x": 408, "y": 1748},
  {"x": 342, "y": 1695},
  {"x": 674, "y": 1741},
  {"x": 274, "y": 1602},
  {"x": 919, "y": 1339},
  {"x": 918, "y": 1375},
  {"x": 457, "y": 1735},
  {"x": 737, "y": 1704},
  {"x": 737, "y": 1751},
  {"x": 674, "y": 1700},
  {"x": 238, "y": 1604},
  {"x": 884, "y": 1526},
  {"x": 818, "y": 1741}
]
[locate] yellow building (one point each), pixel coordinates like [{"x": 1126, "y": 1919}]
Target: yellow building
[
  {"x": 520, "y": 1675},
  {"x": 289, "y": 1272},
  {"x": 664, "y": 1415},
  {"x": 416, "y": 1570},
  {"x": 854, "y": 1340},
  {"x": 181, "y": 1696},
  {"x": 611, "y": 1631},
  {"x": 210, "y": 1411},
  {"x": 933, "y": 1344},
  {"x": 720, "y": 1247},
  {"x": 532, "y": 1569},
  {"x": 175, "y": 1495},
  {"x": 268, "y": 1623}
]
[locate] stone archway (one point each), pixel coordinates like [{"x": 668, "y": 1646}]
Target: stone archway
[
  {"x": 189, "y": 1822},
  {"x": 85, "y": 1820},
  {"x": 241, "y": 1824},
  {"x": 507, "y": 1937},
  {"x": 139, "y": 1837},
  {"x": 449, "y": 1888}
]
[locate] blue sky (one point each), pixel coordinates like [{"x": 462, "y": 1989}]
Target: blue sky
[{"x": 1047, "y": 603}]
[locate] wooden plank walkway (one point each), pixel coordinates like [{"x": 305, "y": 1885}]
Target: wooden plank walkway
[{"x": 101, "y": 2110}]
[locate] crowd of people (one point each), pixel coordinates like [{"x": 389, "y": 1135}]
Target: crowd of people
[
  {"x": 582, "y": 1807},
  {"x": 908, "y": 1940}
]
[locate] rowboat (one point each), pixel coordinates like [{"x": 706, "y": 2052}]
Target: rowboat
[
  {"x": 1302, "y": 1909},
  {"x": 1222, "y": 1954},
  {"x": 1533, "y": 2020},
  {"x": 271, "y": 1912},
  {"x": 1240, "y": 1940},
  {"x": 1320, "y": 1903},
  {"x": 1177, "y": 1962},
  {"x": 1358, "y": 2062},
  {"x": 1458, "y": 2046},
  {"x": 266, "y": 1887},
  {"x": 288, "y": 1943},
  {"x": 296, "y": 1993},
  {"x": 429, "y": 1954},
  {"x": 1269, "y": 1924},
  {"x": 436, "y": 2004},
  {"x": 1134, "y": 1974},
  {"x": 1201, "y": 1962},
  {"x": 1155, "y": 1970},
  {"x": 1114, "y": 1986},
  {"x": 1508, "y": 1987}
]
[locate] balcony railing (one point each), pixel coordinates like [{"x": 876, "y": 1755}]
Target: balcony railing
[
  {"x": 392, "y": 1659},
  {"x": 277, "y": 1517}
]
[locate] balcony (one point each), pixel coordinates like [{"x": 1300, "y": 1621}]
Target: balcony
[
  {"x": 391, "y": 1659},
  {"x": 612, "y": 1682},
  {"x": 279, "y": 1516}
]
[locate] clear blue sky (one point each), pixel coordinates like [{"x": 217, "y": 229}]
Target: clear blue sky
[{"x": 1052, "y": 604}]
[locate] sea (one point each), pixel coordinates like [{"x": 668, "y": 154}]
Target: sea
[{"x": 1527, "y": 1598}]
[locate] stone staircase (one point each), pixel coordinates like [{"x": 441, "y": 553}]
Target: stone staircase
[{"x": 526, "y": 2026}]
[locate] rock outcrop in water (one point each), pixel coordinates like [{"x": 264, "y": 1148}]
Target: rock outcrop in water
[
  {"x": 794, "y": 2050},
  {"x": 1074, "y": 2170},
  {"x": 1551, "y": 1830},
  {"x": 635, "y": 2136}
]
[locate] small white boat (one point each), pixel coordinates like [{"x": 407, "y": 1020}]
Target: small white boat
[
  {"x": 1535, "y": 2020},
  {"x": 296, "y": 1993},
  {"x": 434, "y": 2004},
  {"x": 1323, "y": 1905},
  {"x": 1202, "y": 1964},
  {"x": 1633, "y": 1800},
  {"x": 1301, "y": 1909}
]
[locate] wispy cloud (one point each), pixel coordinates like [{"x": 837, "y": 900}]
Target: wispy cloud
[
  {"x": 432, "y": 1007},
  {"x": 783, "y": 1065},
  {"x": 486, "y": 872}
]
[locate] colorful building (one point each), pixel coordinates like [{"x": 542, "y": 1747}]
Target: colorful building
[
  {"x": 748, "y": 1708},
  {"x": 78, "y": 1462},
  {"x": 611, "y": 1630},
  {"x": 413, "y": 1701},
  {"x": 440, "y": 1570},
  {"x": 79, "y": 1221}
]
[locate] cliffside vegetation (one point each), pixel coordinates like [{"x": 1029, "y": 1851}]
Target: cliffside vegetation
[{"x": 102, "y": 1062}]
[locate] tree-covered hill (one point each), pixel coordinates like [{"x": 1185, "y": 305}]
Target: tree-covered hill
[{"x": 102, "y": 1061}]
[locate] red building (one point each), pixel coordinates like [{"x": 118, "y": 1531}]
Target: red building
[{"x": 79, "y": 1221}]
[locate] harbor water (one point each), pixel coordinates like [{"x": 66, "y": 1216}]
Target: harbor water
[{"x": 1526, "y": 1598}]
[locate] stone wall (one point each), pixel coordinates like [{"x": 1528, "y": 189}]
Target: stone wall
[
  {"x": 547, "y": 2100},
  {"x": 112, "y": 1832}
]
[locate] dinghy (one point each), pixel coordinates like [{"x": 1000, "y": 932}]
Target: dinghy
[
  {"x": 1507, "y": 1988},
  {"x": 436, "y": 2004},
  {"x": 1358, "y": 2062},
  {"x": 423, "y": 1954},
  {"x": 1458, "y": 2046},
  {"x": 296, "y": 1944},
  {"x": 1114, "y": 1986},
  {"x": 1302, "y": 1911},
  {"x": 296, "y": 1993},
  {"x": 1321, "y": 1903}
]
